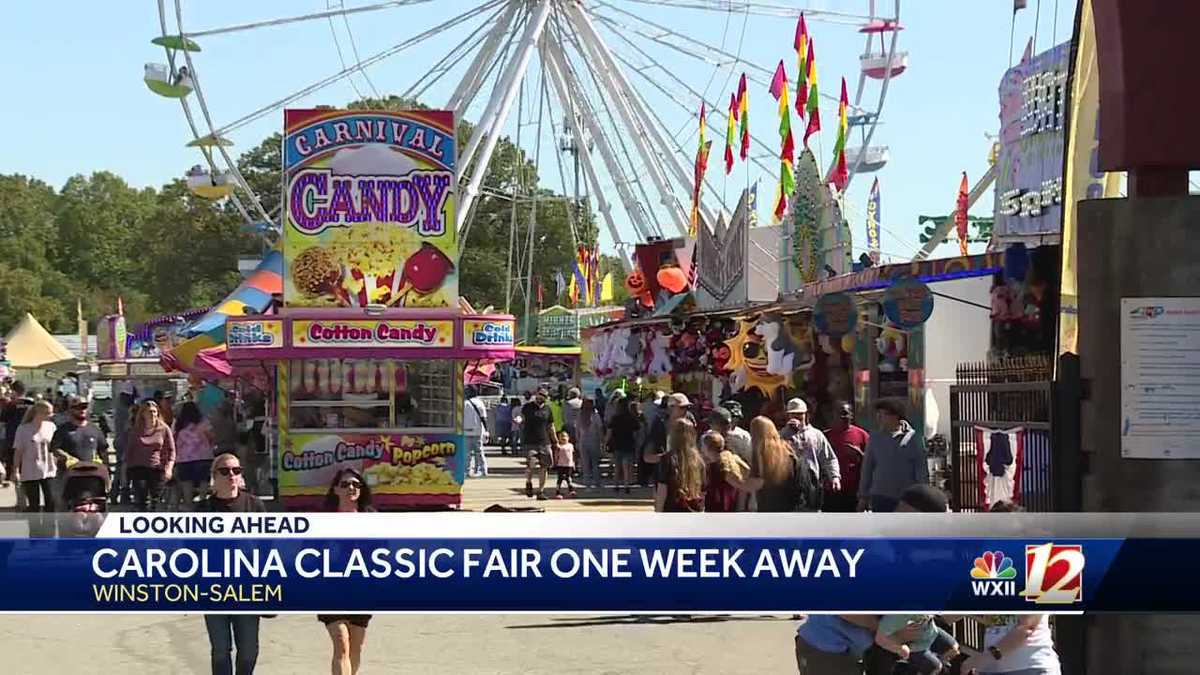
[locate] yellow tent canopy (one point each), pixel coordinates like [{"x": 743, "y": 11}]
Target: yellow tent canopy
[{"x": 29, "y": 345}]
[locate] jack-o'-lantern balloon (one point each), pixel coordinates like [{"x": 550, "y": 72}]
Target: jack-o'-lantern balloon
[
  {"x": 635, "y": 283},
  {"x": 672, "y": 278}
]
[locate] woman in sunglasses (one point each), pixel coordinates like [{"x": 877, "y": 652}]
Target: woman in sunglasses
[
  {"x": 227, "y": 630},
  {"x": 348, "y": 493}
]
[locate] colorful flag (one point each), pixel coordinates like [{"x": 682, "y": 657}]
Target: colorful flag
[
  {"x": 801, "y": 45},
  {"x": 594, "y": 276},
  {"x": 814, "y": 111},
  {"x": 787, "y": 176},
  {"x": 729, "y": 132},
  {"x": 743, "y": 97},
  {"x": 960, "y": 214},
  {"x": 701, "y": 167},
  {"x": 873, "y": 223},
  {"x": 606, "y": 288},
  {"x": 841, "y": 173}
]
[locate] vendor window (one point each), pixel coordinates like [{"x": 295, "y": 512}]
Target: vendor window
[{"x": 369, "y": 394}]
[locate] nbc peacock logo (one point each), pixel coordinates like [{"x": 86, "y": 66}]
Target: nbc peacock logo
[{"x": 994, "y": 575}]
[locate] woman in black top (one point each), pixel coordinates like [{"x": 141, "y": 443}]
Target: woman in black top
[
  {"x": 348, "y": 493},
  {"x": 622, "y": 441},
  {"x": 226, "y": 630}
]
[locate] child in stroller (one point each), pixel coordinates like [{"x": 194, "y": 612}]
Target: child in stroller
[{"x": 85, "y": 497}]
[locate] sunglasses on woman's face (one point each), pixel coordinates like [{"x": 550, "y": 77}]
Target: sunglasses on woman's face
[
  {"x": 230, "y": 470},
  {"x": 350, "y": 485}
]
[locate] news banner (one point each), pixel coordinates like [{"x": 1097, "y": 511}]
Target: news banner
[{"x": 628, "y": 563}]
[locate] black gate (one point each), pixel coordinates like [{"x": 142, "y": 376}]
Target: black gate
[{"x": 1005, "y": 394}]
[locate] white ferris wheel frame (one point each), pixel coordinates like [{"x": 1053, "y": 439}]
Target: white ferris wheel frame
[{"x": 549, "y": 29}]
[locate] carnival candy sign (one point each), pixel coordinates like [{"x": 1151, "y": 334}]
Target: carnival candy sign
[{"x": 370, "y": 209}]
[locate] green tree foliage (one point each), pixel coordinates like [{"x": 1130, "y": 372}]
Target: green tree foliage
[{"x": 165, "y": 250}]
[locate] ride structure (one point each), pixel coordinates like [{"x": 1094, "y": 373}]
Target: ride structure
[{"x": 608, "y": 69}]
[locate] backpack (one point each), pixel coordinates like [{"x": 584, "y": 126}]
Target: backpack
[{"x": 807, "y": 486}]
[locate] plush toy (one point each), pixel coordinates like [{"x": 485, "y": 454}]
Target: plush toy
[
  {"x": 848, "y": 341},
  {"x": 781, "y": 353},
  {"x": 801, "y": 333},
  {"x": 660, "y": 357},
  {"x": 627, "y": 351},
  {"x": 890, "y": 344}
]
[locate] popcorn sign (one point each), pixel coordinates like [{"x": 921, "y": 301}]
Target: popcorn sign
[
  {"x": 402, "y": 469},
  {"x": 370, "y": 209}
]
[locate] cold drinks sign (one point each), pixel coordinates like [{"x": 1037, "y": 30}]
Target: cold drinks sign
[{"x": 370, "y": 209}]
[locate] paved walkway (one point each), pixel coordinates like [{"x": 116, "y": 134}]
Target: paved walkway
[{"x": 478, "y": 643}]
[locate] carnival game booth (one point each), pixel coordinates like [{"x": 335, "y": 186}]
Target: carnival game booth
[{"x": 378, "y": 392}]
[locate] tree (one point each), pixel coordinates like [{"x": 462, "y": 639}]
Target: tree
[{"x": 27, "y": 228}]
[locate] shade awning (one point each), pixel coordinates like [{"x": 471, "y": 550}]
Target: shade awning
[{"x": 30, "y": 345}]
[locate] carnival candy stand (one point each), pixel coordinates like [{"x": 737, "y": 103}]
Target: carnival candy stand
[{"x": 370, "y": 343}]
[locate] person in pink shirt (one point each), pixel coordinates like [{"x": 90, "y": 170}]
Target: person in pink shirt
[
  {"x": 193, "y": 451},
  {"x": 149, "y": 456}
]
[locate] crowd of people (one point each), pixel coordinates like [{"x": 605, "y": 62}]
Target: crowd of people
[
  {"x": 163, "y": 448},
  {"x": 717, "y": 464},
  {"x": 760, "y": 464},
  {"x": 712, "y": 462}
]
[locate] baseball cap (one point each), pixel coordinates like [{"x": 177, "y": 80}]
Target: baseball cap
[
  {"x": 74, "y": 401},
  {"x": 679, "y": 400},
  {"x": 721, "y": 414},
  {"x": 796, "y": 406}
]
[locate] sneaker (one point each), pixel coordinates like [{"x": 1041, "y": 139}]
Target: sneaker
[
  {"x": 626, "y": 489},
  {"x": 558, "y": 495},
  {"x": 529, "y": 490},
  {"x": 541, "y": 496},
  {"x": 572, "y": 493}
]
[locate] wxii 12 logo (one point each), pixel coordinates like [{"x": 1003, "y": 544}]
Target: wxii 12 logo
[{"x": 1054, "y": 574}]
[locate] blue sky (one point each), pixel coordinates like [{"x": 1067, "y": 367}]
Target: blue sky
[{"x": 76, "y": 102}]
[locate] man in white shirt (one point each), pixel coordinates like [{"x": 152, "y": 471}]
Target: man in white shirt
[
  {"x": 475, "y": 434},
  {"x": 811, "y": 445}
]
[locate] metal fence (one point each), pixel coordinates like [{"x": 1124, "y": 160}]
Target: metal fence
[{"x": 1016, "y": 392}]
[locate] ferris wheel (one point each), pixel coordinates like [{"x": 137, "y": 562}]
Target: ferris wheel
[{"x": 595, "y": 81}]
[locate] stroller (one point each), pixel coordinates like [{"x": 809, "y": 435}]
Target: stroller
[{"x": 85, "y": 499}]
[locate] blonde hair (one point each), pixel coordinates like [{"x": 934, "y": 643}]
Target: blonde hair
[
  {"x": 32, "y": 411},
  {"x": 212, "y": 469},
  {"x": 713, "y": 441},
  {"x": 687, "y": 467},
  {"x": 770, "y": 454}
]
